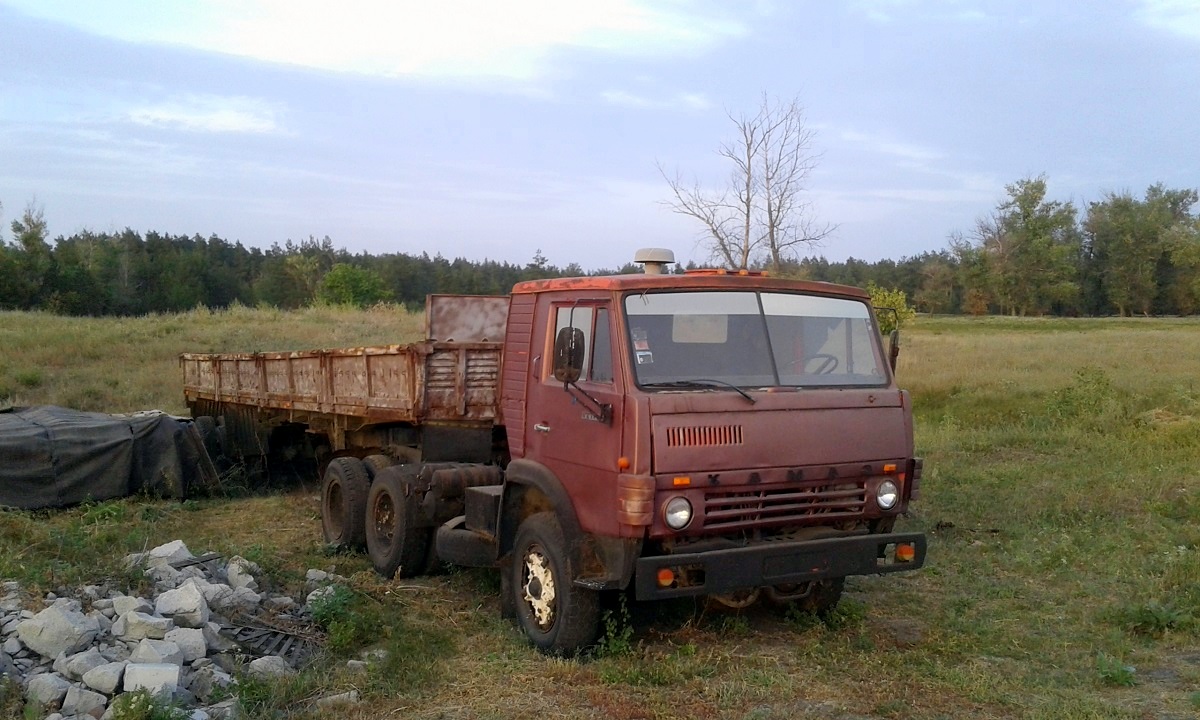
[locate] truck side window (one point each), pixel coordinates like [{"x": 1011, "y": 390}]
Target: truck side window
[
  {"x": 598, "y": 357},
  {"x": 602, "y": 365},
  {"x": 578, "y": 316}
]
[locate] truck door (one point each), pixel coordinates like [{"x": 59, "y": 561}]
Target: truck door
[{"x": 567, "y": 430}]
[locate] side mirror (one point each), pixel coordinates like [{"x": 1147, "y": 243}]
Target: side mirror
[
  {"x": 894, "y": 348},
  {"x": 568, "y": 355}
]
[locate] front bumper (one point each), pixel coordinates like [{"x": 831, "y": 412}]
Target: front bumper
[{"x": 776, "y": 563}]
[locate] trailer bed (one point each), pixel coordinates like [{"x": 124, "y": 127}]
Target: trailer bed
[{"x": 453, "y": 380}]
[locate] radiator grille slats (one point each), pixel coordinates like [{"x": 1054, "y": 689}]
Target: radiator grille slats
[
  {"x": 724, "y": 509},
  {"x": 704, "y": 436}
]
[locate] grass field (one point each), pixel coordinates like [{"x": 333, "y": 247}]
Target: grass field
[{"x": 1061, "y": 495}]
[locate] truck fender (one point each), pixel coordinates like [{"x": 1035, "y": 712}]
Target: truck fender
[
  {"x": 531, "y": 487},
  {"x": 602, "y": 563}
]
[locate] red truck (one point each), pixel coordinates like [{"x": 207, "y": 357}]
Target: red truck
[{"x": 709, "y": 433}]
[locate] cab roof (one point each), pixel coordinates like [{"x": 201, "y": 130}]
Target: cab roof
[{"x": 703, "y": 280}]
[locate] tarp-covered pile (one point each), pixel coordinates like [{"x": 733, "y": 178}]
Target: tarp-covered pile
[{"x": 55, "y": 457}]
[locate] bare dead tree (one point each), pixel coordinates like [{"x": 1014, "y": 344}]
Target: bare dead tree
[{"x": 762, "y": 215}]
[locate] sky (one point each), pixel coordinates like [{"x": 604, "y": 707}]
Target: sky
[{"x": 497, "y": 128}]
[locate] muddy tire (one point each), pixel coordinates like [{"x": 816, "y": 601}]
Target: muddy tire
[
  {"x": 825, "y": 596},
  {"x": 433, "y": 564},
  {"x": 822, "y": 597},
  {"x": 397, "y": 538},
  {"x": 344, "y": 503},
  {"x": 376, "y": 464},
  {"x": 206, "y": 427},
  {"x": 557, "y": 616}
]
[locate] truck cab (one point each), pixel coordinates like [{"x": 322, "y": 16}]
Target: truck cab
[{"x": 711, "y": 433}]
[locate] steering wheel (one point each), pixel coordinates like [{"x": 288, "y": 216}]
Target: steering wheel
[{"x": 826, "y": 364}]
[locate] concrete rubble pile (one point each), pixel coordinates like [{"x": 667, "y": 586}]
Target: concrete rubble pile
[{"x": 77, "y": 654}]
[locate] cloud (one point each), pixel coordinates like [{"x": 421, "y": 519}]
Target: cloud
[
  {"x": 687, "y": 101},
  {"x": 419, "y": 38},
  {"x": 208, "y": 113},
  {"x": 885, "y": 146},
  {"x": 1181, "y": 17},
  {"x": 888, "y": 11}
]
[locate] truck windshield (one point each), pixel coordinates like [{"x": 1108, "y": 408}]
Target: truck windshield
[{"x": 751, "y": 339}]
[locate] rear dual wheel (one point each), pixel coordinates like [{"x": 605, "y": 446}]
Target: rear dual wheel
[
  {"x": 344, "y": 502},
  {"x": 398, "y": 536}
]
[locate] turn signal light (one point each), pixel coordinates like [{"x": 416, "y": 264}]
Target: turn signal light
[
  {"x": 905, "y": 552},
  {"x": 622, "y": 463},
  {"x": 666, "y": 577}
]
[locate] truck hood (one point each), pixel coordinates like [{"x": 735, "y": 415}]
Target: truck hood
[{"x": 718, "y": 431}]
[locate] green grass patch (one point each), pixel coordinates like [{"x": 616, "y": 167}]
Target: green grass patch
[{"x": 1061, "y": 497}]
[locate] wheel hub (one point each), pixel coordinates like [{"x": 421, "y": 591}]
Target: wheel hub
[
  {"x": 385, "y": 518},
  {"x": 539, "y": 588}
]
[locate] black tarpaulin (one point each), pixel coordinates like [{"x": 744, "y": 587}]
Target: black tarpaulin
[{"x": 54, "y": 457}]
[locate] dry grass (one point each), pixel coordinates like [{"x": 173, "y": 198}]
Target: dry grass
[
  {"x": 1062, "y": 498},
  {"x": 128, "y": 364}
]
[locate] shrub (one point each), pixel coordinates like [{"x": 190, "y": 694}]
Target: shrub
[
  {"x": 894, "y": 303},
  {"x": 141, "y": 705},
  {"x": 349, "y": 285},
  {"x": 1114, "y": 672},
  {"x": 1153, "y": 618}
]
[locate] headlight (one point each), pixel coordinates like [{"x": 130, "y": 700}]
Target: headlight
[
  {"x": 677, "y": 513},
  {"x": 887, "y": 495}
]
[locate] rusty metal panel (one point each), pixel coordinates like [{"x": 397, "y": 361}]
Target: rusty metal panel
[
  {"x": 306, "y": 376},
  {"x": 797, "y": 436},
  {"x": 516, "y": 372},
  {"x": 248, "y": 377},
  {"x": 465, "y": 318},
  {"x": 390, "y": 376},
  {"x": 351, "y": 388},
  {"x": 462, "y": 382},
  {"x": 227, "y": 376},
  {"x": 348, "y": 376},
  {"x": 277, "y": 373}
]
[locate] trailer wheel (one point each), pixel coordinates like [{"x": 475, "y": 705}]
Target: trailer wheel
[
  {"x": 559, "y": 617},
  {"x": 206, "y": 426},
  {"x": 433, "y": 564},
  {"x": 376, "y": 464},
  {"x": 344, "y": 502},
  {"x": 397, "y": 541}
]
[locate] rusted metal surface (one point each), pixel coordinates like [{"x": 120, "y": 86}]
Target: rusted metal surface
[
  {"x": 343, "y": 390},
  {"x": 465, "y": 318},
  {"x": 517, "y": 361},
  {"x": 624, "y": 283},
  {"x": 814, "y": 427},
  {"x": 262, "y": 634},
  {"x": 635, "y": 497}
]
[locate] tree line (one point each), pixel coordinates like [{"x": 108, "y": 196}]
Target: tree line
[
  {"x": 1120, "y": 255},
  {"x": 128, "y": 273}
]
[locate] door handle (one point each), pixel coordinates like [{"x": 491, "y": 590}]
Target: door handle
[{"x": 542, "y": 428}]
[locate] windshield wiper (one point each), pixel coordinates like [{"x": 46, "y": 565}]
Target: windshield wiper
[{"x": 700, "y": 383}]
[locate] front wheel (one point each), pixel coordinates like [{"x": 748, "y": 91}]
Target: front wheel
[
  {"x": 559, "y": 617},
  {"x": 818, "y": 597}
]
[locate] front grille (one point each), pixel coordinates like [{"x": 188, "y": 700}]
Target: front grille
[{"x": 762, "y": 507}]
